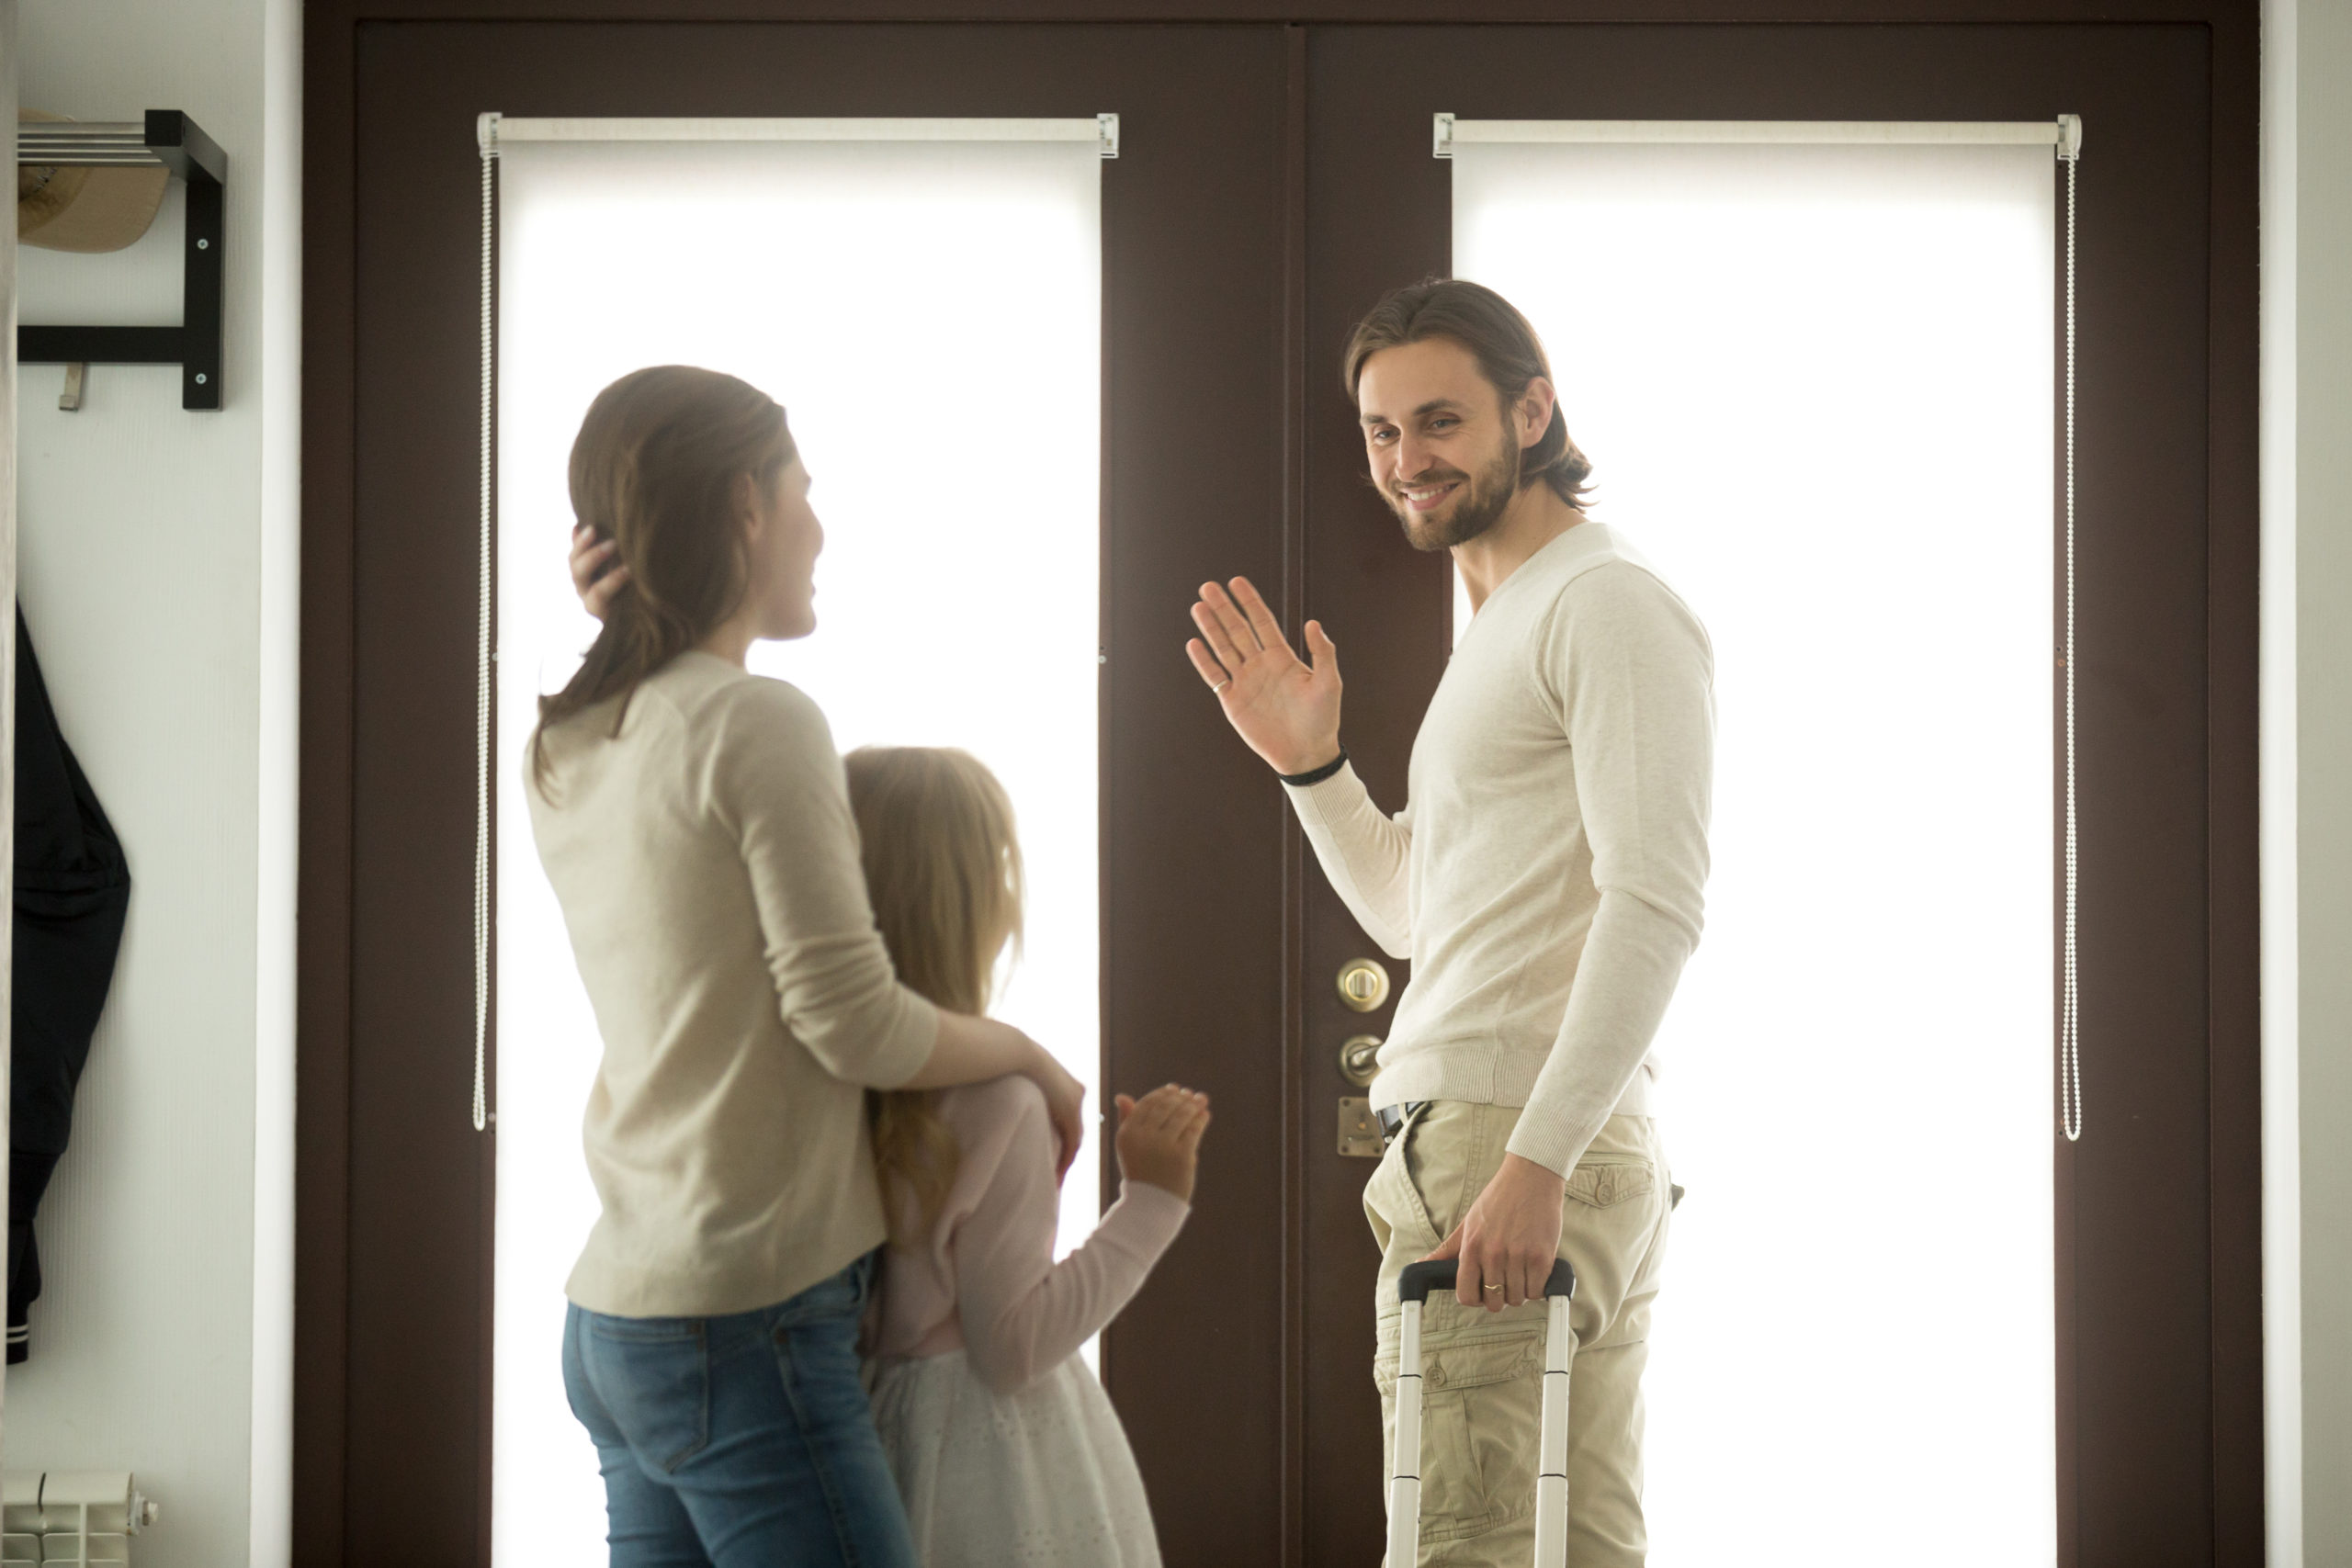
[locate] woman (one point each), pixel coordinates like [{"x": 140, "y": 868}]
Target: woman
[{"x": 694, "y": 821}]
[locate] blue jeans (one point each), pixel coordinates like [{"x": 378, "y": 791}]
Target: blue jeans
[{"x": 739, "y": 1442}]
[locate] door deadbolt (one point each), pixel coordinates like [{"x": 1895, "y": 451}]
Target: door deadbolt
[
  {"x": 1360, "y": 1059},
  {"x": 1363, "y": 985}
]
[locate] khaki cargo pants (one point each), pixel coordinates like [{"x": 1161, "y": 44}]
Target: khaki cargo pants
[{"x": 1482, "y": 1388}]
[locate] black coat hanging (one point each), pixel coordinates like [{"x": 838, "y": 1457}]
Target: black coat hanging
[{"x": 73, "y": 891}]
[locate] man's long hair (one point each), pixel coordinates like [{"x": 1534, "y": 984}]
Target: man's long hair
[{"x": 1509, "y": 352}]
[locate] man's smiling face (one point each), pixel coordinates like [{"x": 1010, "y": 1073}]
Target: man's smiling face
[{"x": 1442, "y": 447}]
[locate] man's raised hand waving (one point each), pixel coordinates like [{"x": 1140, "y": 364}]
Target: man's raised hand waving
[{"x": 1287, "y": 710}]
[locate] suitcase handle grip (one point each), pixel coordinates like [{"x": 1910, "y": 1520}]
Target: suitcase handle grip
[{"x": 1440, "y": 1274}]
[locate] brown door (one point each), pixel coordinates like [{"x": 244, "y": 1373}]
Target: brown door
[
  {"x": 2151, "y": 1469},
  {"x": 1194, "y": 364},
  {"x": 1273, "y": 181}
]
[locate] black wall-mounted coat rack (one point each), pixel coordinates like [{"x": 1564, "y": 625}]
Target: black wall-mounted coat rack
[{"x": 170, "y": 140}]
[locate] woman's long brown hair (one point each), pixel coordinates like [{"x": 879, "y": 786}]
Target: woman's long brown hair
[
  {"x": 942, "y": 869},
  {"x": 658, "y": 468}
]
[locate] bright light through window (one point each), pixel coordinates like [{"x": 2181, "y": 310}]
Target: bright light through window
[
  {"x": 928, "y": 314},
  {"x": 1815, "y": 384}
]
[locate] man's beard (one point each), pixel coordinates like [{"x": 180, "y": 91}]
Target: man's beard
[{"x": 1479, "y": 506}]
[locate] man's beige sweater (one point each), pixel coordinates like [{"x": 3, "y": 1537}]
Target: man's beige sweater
[
  {"x": 707, "y": 867},
  {"x": 1546, "y": 877}
]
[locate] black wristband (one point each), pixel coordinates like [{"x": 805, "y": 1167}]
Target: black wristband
[{"x": 1317, "y": 775}]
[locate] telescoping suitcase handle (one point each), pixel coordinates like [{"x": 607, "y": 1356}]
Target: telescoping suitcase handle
[
  {"x": 1413, "y": 1288},
  {"x": 1444, "y": 1274}
]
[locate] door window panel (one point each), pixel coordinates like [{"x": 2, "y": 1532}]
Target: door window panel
[
  {"x": 1815, "y": 384},
  {"x": 929, "y": 315}
]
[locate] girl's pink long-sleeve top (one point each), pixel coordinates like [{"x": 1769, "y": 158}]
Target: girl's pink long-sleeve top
[{"x": 984, "y": 1279}]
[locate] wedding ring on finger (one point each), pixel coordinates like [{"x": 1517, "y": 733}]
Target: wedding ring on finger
[{"x": 1221, "y": 685}]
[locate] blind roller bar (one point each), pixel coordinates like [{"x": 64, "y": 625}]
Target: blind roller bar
[
  {"x": 2064, "y": 133},
  {"x": 1102, "y": 129}
]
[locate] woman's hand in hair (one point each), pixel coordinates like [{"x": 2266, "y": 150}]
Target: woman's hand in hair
[{"x": 596, "y": 575}]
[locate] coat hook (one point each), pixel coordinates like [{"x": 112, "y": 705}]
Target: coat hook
[{"x": 70, "y": 400}]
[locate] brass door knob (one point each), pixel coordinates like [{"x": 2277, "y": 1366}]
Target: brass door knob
[
  {"x": 1363, "y": 985},
  {"x": 1360, "y": 1059}
]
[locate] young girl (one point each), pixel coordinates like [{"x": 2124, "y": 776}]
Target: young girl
[{"x": 1006, "y": 1449}]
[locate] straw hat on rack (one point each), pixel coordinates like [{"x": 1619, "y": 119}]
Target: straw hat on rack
[{"x": 62, "y": 208}]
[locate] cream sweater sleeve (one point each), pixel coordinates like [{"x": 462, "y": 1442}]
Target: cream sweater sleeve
[
  {"x": 1367, "y": 855},
  {"x": 1630, "y": 671},
  {"x": 771, "y": 775}
]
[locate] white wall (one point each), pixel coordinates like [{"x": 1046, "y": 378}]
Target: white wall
[
  {"x": 2281, "y": 1124},
  {"x": 2323, "y": 413},
  {"x": 2307, "y": 416},
  {"x": 158, "y": 557}
]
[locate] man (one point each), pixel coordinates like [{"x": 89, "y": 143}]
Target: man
[{"x": 1545, "y": 879}]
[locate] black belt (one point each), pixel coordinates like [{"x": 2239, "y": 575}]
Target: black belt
[{"x": 1391, "y": 1118}]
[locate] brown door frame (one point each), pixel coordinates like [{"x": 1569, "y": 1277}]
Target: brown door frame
[{"x": 381, "y": 1225}]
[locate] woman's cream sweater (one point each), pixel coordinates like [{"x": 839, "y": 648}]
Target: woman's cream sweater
[{"x": 707, "y": 867}]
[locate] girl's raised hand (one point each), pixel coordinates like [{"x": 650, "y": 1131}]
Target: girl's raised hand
[{"x": 1159, "y": 1137}]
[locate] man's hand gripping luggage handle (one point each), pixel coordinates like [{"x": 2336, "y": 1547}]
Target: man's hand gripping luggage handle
[
  {"x": 1413, "y": 1289},
  {"x": 1439, "y": 1274}
]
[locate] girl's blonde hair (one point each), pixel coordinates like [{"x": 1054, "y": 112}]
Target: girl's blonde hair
[{"x": 942, "y": 869}]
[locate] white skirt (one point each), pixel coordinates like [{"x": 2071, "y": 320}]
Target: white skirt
[{"x": 1038, "y": 1479}]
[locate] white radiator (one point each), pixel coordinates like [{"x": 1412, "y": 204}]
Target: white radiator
[{"x": 71, "y": 1515}]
